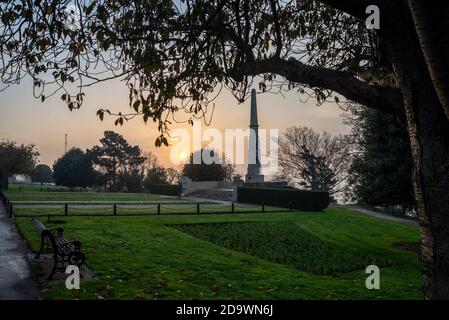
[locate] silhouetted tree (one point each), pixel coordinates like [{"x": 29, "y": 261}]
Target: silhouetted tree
[
  {"x": 200, "y": 169},
  {"x": 381, "y": 172},
  {"x": 42, "y": 174},
  {"x": 15, "y": 159},
  {"x": 315, "y": 161},
  {"x": 229, "y": 170},
  {"x": 153, "y": 172},
  {"x": 173, "y": 175},
  {"x": 155, "y": 175},
  {"x": 74, "y": 169},
  {"x": 119, "y": 163}
]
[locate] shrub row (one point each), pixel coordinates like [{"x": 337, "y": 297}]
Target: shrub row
[
  {"x": 285, "y": 197},
  {"x": 165, "y": 189}
]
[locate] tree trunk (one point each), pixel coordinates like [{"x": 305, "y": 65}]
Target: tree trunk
[
  {"x": 429, "y": 136},
  {"x": 429, "y": 139},
  {"x": 428, "y": 129},
  {"x": 432, "y": 26}
]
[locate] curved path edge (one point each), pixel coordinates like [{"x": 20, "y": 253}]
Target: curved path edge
[
  {"x": 383, "y": 215},
  {"x": 15, "y": 273}
]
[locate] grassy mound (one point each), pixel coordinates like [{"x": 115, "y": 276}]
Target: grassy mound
[{"x": 287, "y": 243}]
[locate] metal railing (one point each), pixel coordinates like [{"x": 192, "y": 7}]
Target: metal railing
[
  {"x": 154, "y": 209},
  {"x": 6, "y": 204}
]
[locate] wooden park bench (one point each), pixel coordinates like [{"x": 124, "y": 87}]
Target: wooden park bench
[{"x": 64, "y": 251}]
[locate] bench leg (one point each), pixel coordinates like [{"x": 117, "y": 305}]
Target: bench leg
[
  {"x": 40, "y": 249},
  {"x": 54, "y": 268}
]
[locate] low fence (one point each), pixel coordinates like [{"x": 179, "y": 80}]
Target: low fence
[
  {"x": 6, "y": 204},
  {"x": 188, "y": 208},
  {"x": 120, "y": 209}
]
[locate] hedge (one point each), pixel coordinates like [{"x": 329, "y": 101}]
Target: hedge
[
  {"x": 165, "y": 189},
  {"x": 285, "y": 197}
]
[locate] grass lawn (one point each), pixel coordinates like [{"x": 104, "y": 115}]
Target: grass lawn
[
  {"x": 32, "y": 194},
  {"x": 61, "y": 197},
  {"x": 241, "y": 256},
  {"x": 285, "y": 242}
]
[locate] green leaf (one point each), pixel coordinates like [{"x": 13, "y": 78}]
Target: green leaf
[
  {"x": 136, "y": 105},
  {"x": 100, "y": 114}
]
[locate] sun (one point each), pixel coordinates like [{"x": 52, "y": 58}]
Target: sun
[{"x": 183, "y": 155}]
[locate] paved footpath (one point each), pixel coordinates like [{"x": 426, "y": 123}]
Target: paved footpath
[
  {"x": 15, "y": 273},
  {"x": 384, "y": 216}
]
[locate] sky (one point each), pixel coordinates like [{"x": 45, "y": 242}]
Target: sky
[{"x": 26, "y": 119}]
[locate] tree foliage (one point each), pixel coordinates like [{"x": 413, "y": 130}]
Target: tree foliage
[
  {"x": 119, "y": 163},
  {"x": 381, "y": 172},
  {"x": 42, "y": 173},
  {"x": 173, "y": 175},
  {"x": 155, "y": 173},
  {"x": 200, "y": 168},
  {"x": 74, "y": 169},
  {"x": 16, "y": 159},
  {"x": 175, "y": 56}
]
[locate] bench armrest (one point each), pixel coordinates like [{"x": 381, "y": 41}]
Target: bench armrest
[{"x": 59, "y": 231}]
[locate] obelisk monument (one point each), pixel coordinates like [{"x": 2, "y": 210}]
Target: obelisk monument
[{"x": 254, "y": 172}]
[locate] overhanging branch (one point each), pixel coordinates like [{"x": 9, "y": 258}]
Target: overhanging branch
[
  {"x": 383, "y": 99},
  {"x": 355, "y": 8}
]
